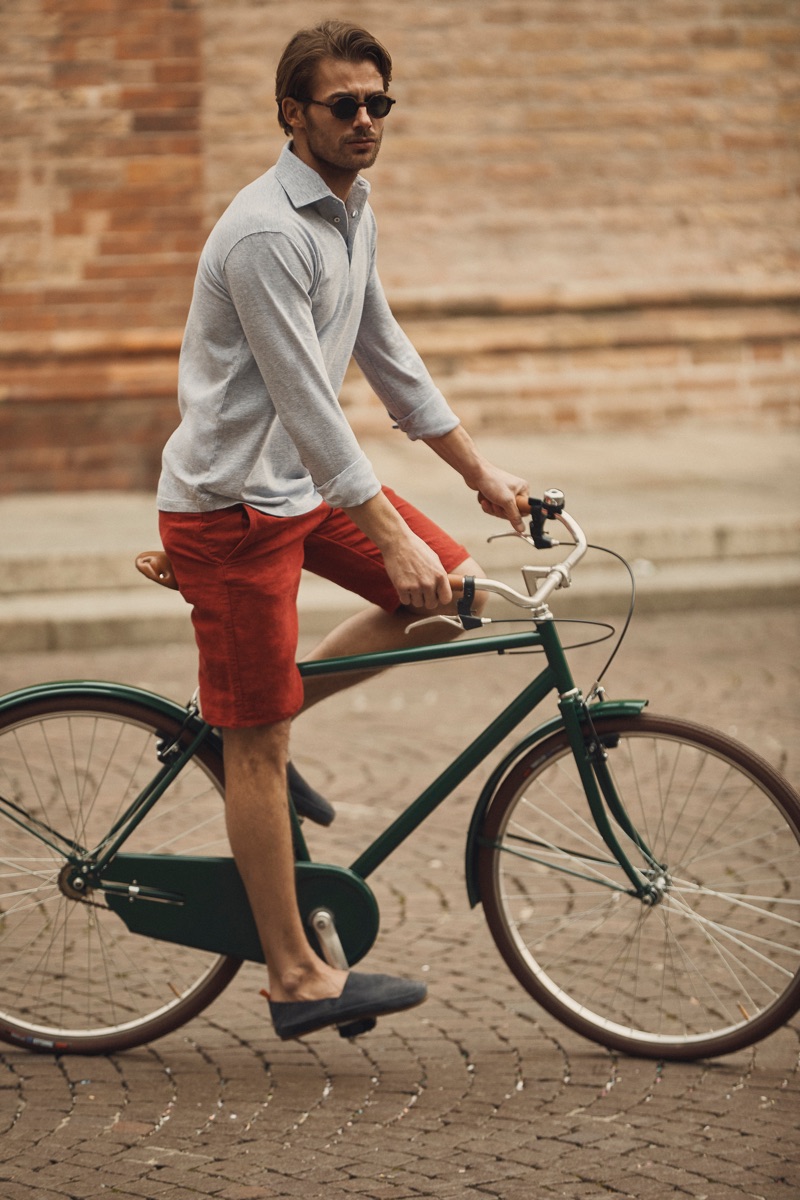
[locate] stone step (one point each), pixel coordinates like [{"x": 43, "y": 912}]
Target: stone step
[
  {"x": 112, "y": 570},
  {"x": 147, "y": 615},
  {"x": 604, "y": 389}
]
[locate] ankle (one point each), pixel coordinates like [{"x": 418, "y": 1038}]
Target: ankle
[{"x": 313, "y": 980}]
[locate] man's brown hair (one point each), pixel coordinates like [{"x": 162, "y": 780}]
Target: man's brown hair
[{"x": 330, "y": 39}]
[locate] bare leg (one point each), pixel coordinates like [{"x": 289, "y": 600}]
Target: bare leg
[
  {"x": 259, "y": 830},
  {"x": 374, "y": 630}
]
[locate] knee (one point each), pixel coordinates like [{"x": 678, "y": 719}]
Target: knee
[{"x": 257, "y": 747}]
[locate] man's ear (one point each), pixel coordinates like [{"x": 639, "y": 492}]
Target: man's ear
[{"x": 293, "y": 112}]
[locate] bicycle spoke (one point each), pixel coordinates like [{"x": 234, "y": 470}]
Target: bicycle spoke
[
  {"x": 713, "y": 961},
  {"x": 78, "y": 976}
]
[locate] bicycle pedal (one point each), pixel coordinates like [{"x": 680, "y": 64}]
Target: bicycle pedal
[{"x": 354, "y": 1028}]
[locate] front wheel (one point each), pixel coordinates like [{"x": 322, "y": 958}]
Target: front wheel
[
  {"x": 709, "y": 968},
  {"x": 74, "y": 979}
]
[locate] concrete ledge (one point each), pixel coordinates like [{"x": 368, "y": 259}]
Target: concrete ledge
[
  {"x": 36, "y": 574},
  {"x": 150, "y": 616}
]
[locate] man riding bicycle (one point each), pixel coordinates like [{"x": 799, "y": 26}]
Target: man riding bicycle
[{"x": 264, "y": 477}]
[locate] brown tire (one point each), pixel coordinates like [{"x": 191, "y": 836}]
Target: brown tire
[
  {"x": 74, "y": 979},
  {"x": 712, "y": 966}
]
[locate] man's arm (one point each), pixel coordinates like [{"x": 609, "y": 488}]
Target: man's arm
[
  {"x": 270, "y": 280},
  {"x": 418, "y": 576},
  {"x": 400, "y": 379},
  {"x": 415, "y": 571},
  {"x": 497, "y": 489},
  {"x": 395, "y": 371}
]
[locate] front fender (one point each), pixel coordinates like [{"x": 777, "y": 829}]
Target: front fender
[{"x": 606, "y": 708}]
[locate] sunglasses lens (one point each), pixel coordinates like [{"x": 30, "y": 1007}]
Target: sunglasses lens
[
  {"x": 346, "y": 108},
  {"x": 378, "y": 106}
]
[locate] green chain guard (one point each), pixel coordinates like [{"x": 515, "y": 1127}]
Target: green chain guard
[{"x": 205, "y": 904}]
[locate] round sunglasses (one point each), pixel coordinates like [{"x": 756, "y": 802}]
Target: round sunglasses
[{"x": 346, "y": 107}]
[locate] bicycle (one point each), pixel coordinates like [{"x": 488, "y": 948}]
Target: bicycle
[{"x": 640, "y": 874}]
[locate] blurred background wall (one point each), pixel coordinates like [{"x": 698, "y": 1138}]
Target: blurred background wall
[{"x": 588, "y": 210}]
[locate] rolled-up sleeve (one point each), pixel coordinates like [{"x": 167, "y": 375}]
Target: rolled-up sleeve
[{"x": 395, "y": 371}]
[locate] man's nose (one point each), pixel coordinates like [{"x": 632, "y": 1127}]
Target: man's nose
[{"x": 362, "y": 117}]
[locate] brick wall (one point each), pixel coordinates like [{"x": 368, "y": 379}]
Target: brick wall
[
  {"x": 609, "y": 188},
  {"x": 547, "y": 141},
  {"x": 102, "y": 221}
]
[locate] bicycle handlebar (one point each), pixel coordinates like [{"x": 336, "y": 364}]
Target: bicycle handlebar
[{"x": 553, "y": 577}]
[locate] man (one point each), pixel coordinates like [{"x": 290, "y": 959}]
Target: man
[{"x": 264, "y": 476}]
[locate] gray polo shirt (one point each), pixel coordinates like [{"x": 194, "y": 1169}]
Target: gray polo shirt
[{"x": 286, "y": 292}]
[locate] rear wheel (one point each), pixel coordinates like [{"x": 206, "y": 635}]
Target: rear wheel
[
  {"x": 74, "y": 979},
  {"x": 714, "y": 964}
]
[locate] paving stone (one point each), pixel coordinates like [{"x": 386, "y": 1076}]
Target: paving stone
[{"x": 399, "y": 1114}]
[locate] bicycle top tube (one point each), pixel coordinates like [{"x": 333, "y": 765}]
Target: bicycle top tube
[{"x": 417, "y": 654}]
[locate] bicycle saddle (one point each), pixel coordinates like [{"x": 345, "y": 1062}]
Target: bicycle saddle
[{"x": 155, "y": 565}]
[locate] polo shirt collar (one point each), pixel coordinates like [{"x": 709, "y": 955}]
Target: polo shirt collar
[{"x": 305, "y": 187}]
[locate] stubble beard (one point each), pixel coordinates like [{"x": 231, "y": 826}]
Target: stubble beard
[{"x": 342, "y": 158}]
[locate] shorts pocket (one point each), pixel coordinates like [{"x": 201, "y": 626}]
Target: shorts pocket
[{"x": 224, "y": 532}]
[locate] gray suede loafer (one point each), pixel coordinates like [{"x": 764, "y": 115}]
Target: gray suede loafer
[{"x": 363, "y": 999}]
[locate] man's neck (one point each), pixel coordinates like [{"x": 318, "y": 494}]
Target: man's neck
[{"x": 339, "y": 181}]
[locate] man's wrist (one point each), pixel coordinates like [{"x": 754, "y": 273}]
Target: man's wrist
[{"x": 458, "y": 450}]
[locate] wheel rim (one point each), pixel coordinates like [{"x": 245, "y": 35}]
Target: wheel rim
[
  {"x": 716, "y": 961},
  {"x": 76, "y": 975}
]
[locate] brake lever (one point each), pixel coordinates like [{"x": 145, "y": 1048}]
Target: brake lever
[
  {"x": 523, "y": 537},
  {"x": 454, "y": 621}
]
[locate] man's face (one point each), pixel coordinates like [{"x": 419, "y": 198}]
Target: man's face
[{"x": 332, "y": 146}]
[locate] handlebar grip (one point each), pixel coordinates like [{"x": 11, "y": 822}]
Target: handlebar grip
[{"x": 551, "y": 503}]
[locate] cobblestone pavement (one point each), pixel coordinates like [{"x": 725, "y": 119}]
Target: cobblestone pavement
[{"x": 477, "y": 1094}]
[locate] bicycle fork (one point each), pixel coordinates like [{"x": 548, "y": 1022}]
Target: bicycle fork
[{"x": 591, "y": 759}]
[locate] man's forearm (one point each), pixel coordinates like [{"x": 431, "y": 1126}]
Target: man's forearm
[
  {"x": 379, "y": 520},
  {"x": 458, "y": 450},
  {"x": 414, "y": 569},
  {"x": 497, "y": 489}
]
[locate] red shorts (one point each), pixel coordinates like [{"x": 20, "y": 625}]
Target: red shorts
[{"x": 240, "y": 570}]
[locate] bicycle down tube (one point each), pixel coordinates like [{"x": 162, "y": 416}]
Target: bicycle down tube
[{"x": 555, "y": 676}]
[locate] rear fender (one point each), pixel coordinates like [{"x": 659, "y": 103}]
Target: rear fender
[{"x": 96, "y": 689}]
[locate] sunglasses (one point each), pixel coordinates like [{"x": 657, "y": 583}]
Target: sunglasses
[{"x": 346, "y": 107}]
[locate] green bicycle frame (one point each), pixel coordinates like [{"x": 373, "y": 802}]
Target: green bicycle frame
[
  {"x": 417, "y": 812},
  {"x": 556, "y": 676}
]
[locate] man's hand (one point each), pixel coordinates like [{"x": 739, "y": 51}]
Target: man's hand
[
  {"x": 415, "y": 571},
  {"x": 498, "y": 494}
]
